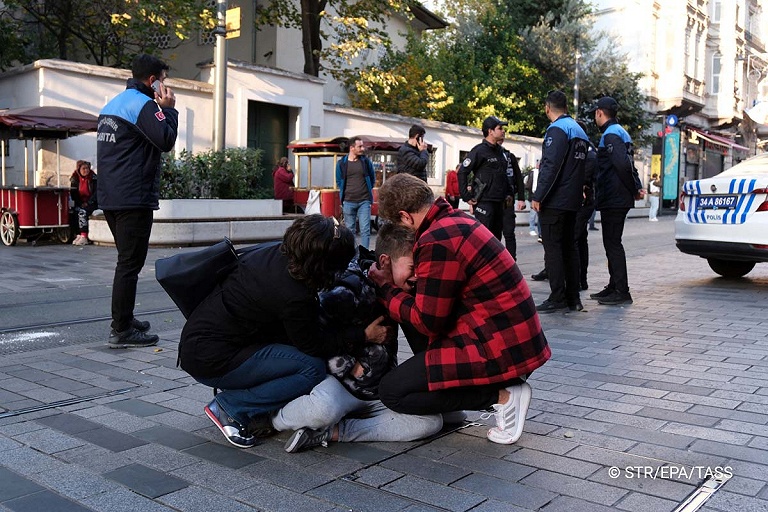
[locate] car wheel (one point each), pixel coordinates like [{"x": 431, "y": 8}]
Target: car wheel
[{"x": 731, "y": 269}]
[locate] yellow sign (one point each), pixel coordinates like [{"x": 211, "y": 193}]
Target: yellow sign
[{"x": 233, "y": 22}]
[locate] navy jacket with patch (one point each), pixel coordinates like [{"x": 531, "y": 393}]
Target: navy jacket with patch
[
  {"x": 617, "y": 182},
  {"x": 561, "y": 173},
  {"x": 133, "y": 133}
]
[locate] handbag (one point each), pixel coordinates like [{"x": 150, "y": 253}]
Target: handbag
[{"x": 188, "y": 278}]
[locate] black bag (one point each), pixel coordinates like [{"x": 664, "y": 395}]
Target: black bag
[{"x": 189, "y": 277}]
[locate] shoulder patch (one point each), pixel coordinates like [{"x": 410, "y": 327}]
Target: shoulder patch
[
  {"x": 466, "y": 162},
  {"x": 159, "y": 115},
  {"x": 548, "y": 141}
]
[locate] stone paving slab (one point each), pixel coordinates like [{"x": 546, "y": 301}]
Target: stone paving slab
[{"x": 679, "y": 378}]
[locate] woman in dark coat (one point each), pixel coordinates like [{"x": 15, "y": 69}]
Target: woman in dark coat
[
  {"x": 83, "y": 185},
  {"x": 257, "y": 336}
]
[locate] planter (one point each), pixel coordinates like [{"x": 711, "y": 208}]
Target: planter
[{"x": 181, "y": 222}]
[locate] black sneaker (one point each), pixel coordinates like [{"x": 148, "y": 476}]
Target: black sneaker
[
  {"x": 261, "y": 426},
  {"x": 549, "y": 306},
  {"x": 131, "y": 338},
  {"x": 307, "y": 438},
  {"x": 140, "y": 325},
  {"x": 576, "y": 307},
  {"x": 593, "y": 228},
  {"x": 616, "y": 299},
  {"x": 602, "y": 293},
  {"x": 232, "y": 430},
  {"x": 541, "y": 276}
]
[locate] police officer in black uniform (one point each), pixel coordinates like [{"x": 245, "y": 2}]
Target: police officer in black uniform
[{"x": 487, "y": 166}]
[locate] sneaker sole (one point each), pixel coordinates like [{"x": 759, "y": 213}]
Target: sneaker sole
[
  {"x": 131, "y": 345},
  {"x": 218, "y": 424},
  {"x": 525, "y": 402},
  {"x": 292, "y": 445},
  {"x": 616, "y": 303}
]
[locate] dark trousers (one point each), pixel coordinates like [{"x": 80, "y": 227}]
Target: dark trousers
[
  {"x": 581, "y": 233},
  {"x": 560, "y": 257},
  {"x": 508, "y": 228},
  {"x": 490, "y": 214},
  {"x": 405, "y": 390},
  {"x": 131, "y": 230},
  {"x": 613, "y": 220},
  {"x": 453, "y": 201}
]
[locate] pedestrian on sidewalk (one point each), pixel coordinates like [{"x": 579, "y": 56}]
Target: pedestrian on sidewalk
[
  {"x": 484, "y": 336},
  {"x": 356, "y": 178},
  {"x": 257, "y": 336},
  {"x": 135, "y": 129},
  {"x": 654, "y": 188},
  {"x": 83, "y": 184}
]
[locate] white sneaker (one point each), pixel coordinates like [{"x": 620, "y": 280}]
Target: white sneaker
[
  {"x": 653, "y": 220},
  {"x": 510, "y": 416},
  {"x": 76, "y": 241},
  {"x": 533, "y": 233}
]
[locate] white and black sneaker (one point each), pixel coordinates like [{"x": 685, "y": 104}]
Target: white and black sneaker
[
  {"x": 307, "y": 438},
  {"x": 232, "y": 430}
]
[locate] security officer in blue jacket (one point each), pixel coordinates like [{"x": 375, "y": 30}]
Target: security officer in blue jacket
[
  {"x": 617, "y": 185},
  {"x": 134, "y": 129},
  {"x": 558, "y": 196}
]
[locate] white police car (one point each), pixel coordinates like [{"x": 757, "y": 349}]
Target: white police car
[{"x": 725, "y": 218}]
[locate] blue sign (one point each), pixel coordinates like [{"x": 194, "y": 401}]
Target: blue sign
[
  {"x": 670, "y": 166},
  {"x": 672, "y": 120}
]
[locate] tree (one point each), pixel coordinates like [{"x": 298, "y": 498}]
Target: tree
[
  {"x": 12, "y": 42},
  {"x": 109, "y": 32},
  {"x": 351, "y": 23}
]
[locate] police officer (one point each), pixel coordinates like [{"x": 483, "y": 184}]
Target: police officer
[
  {"x": 516, "y": 188},
  {"x": 487, "y": 165},
  {"x": 617, "y": 185},
  {"x": 558, "y": 196}
]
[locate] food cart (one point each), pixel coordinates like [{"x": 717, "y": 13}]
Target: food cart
[{"x": 27, "y": 209}]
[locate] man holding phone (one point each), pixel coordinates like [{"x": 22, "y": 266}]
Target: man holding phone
[
  {"x": 134, "y": 129},
  {"x": 412, "y": 157}
]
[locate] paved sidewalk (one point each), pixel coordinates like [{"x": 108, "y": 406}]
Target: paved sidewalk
[{"x": 678, "y": 381}]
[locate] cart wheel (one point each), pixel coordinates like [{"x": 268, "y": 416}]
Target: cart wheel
[
  {"x": 63, "y": 235},
  {"x": 9, "y": 228}
]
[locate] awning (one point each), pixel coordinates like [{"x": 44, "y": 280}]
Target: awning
[
  {"x": 718, "y": 140},
  {"x": 758, "y": 113}
]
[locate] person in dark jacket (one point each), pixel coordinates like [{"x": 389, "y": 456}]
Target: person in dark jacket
[
  {"x": 282, "y": 180},
  {"x": 257, "y": 335},
  {"x": 134, "y": 129},
  {"x": 617, "y": 185},
  {"x": 484, "y": 335},
  {"x": 585, "y": 212},
  {"x": 558, "y": 196},
  {"x": 355, "y": 178},
  {"x": 489, "y": 187},
  {"x": 509, "y": 218},
  {"x": 413, "y": 157},
  {"x": 83, "y": 183}
]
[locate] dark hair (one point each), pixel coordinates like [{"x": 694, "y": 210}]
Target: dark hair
[
  {"x": 145, "y": 66},
  {"x": 557, "y": 100},
  {"x": 317, "y": 248},
  {"x": 283, "y": 162},
  {"x": 81, "y": 163},
  {"x": 394, "y": 240},
  {"x": 403, "y": 192},
  {"x": 416, "y": 131},
  {"x": 353, "y": 140}
]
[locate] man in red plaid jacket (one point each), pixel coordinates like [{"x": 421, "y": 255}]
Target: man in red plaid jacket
[{"x": 484, "y": 335}]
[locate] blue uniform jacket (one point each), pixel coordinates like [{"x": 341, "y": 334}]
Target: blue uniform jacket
[{"x": 561, "y": 173}]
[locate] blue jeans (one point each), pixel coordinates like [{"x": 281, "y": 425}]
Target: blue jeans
[
  {"x": 360, "y": 211},
  {"x": 330, "y": 404},
  {"x": 269, "y": 379}
]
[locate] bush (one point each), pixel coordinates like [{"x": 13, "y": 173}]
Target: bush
[{"x": 234, "y": 173}]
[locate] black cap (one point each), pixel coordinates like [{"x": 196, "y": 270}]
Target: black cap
[
  {"x": 492, "y": 122},
  {"x": 605, "y": 103}
]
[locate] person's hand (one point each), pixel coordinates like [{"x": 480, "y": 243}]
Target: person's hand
[
  {"x": 357, "y": 371},
  {"x": 422, "y": 145},
  {"x": 535, "y": 206},
  {"x": 520, "y": 205},
  {"x": 471, "y": 202},
  {"x": 377, "y": 333},
  {"x": 508, "y": 201},
  {"x": 640, "y": 194},
  {"x": 165, "y": 98},
  {"x": 380, "y": 276}
]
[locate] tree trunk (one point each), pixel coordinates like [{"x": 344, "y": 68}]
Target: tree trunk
[{"x": 310, "y": 35}]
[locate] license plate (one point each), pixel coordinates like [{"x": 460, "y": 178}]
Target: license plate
[{"x": 716, "y": 202}]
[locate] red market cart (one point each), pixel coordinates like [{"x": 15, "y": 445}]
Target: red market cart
[{"x": 26, "y": 209}]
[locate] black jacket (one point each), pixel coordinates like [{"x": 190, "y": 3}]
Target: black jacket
[
  {"x": 488, "y": 165},
  {"x": 412, "y": 161},
  {"x": 74, "y": 183},
  {"x": 617, "y": 182},
  {"x": 258, "y": 304},
  {"x": 133, "y": 133},
  {"x": 590, "y": 171},
  {"x": 515, "y": 178},
  {"x": 561, "y": 174}
]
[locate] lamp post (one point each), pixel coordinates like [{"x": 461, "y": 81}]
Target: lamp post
[{"x": 220, "y": 77}]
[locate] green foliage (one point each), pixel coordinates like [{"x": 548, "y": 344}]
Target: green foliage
[
  {"x": 108, "y": 32},
  {"x": 12, "y": 42},
  {"x": 233, "y": 173},
  {"x": 352, "y": 26}
]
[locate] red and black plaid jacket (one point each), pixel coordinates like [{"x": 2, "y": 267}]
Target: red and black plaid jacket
[{"x": 472, "y": 302}]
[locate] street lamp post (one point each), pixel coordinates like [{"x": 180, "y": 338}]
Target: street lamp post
[{"x": 220, "y": 77}]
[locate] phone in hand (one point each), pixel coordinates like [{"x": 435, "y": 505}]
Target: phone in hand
[{"x": 156, "y": 86}]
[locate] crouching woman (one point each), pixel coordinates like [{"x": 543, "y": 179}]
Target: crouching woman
[{"x": 257, "y": 336}]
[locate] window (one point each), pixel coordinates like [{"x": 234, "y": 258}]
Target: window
[
  {"x": 715, "y": 74},
  {"x": 716, "y": 11}
]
